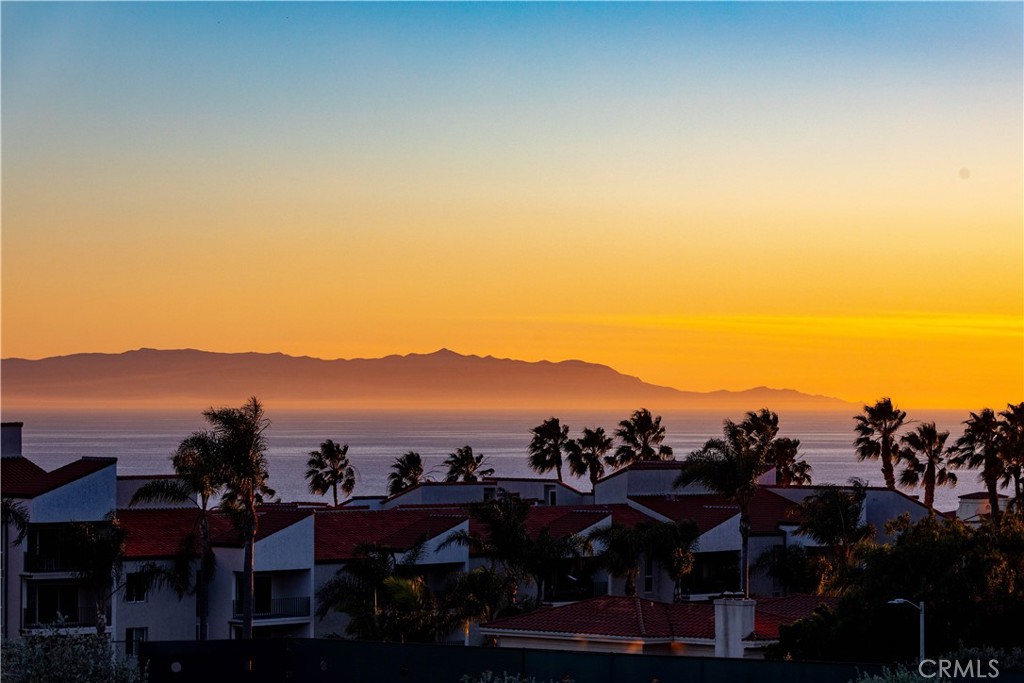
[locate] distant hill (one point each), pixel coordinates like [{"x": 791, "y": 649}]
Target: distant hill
[{"x": 443, "y": 380}]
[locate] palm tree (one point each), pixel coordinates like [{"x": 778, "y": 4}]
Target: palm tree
[
  {"x": 641, "y": 437},
  {"x": 832, "y": 518},
  {"x": 930, "y": 468},
  {"x": 549, "y": 441},
  {"x": 407, "y": 471},
  {"x": 586, "y": 454},
  {"x": 479, "y": 595},
  {"x": 328, "y": 469},
  {"x": 464, "y": 466},
  {"x": 240, "y": 433},
  {"x": 200, "y": 470},
  {"x": 620, "y": 555},
  {"x": 876, "y": 436},
  {"x": 99, "y": 547},
  {"x": 980, "y": 447},
  {"x": 789, "y": 471},
  {"x": 671, "y": 545},
  {"x": 1011, "y": 433},
  {"x": 16, "y": 515},
  {"x": 729, "y": 466}
]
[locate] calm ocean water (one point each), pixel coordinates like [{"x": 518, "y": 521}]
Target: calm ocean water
[{"x": 144, "y": 441}]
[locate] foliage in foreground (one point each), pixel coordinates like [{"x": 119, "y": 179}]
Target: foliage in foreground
[
  {"x": 504, "y": 677},
  {"x": 971, "y": 580},
  {"x": 59, "y": 657},
  {"x": 1008, "y": 660}
]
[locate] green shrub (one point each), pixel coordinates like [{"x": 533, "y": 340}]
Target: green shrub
[{"x": 56, "y": 656}]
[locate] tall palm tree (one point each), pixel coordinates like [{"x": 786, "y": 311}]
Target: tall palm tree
[
  {"x": 406, "y": 472},
  {"x": 464, "y": 466},
  {"x": 241, "y": 435},
  {"x": 877, "y": 432},
  {"x": 200, "y": 469},
  {"x": 1011, "y": 433},
  {"x": 479, "y": 595},
  {"x": 979, "y": 446},
  {"x": 586, "y": 454},
  {"x": 832, "y": 517},
  {"x": 924, "y": 449},
  {"x": 729, "y": 466},
  {"x": 790, "y": 469},
  {"x": 641, "y": 436},
  {"x": 550, "y": 439},
  {"x": 669, "y": 544},
  {"x": 329, "y": 469},
  {"x": 620, "y": 554}
]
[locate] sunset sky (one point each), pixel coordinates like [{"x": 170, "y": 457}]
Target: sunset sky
[{"x": 826, "y": 197}]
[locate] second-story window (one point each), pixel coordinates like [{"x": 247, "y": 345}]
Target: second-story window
[
  {"x": 135, "y": 587},
  {"x": 648, "y": 575}
]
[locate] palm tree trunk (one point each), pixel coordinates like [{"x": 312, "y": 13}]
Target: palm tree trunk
[
  {"x": 631, "y": 582},
  {"x": 101, "y": 618},
  {"x": 744, "y": 552},
  {"x": 203, "y": 585},
  {"x": 887, "y": 469},
  {"x": 558, "y": 469},
  {"x": 993, "y": 496},
  {"x": 248, "y": 573},
  {"x": 929, "y": 489},
  {"x": 335, "y": 489}
]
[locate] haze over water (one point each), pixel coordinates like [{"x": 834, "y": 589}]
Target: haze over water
[{"x": 144, "y": 441}]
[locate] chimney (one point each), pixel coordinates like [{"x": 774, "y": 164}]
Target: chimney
[
  {"x": 734, "y": 621},
  {"x": 10, "y": 439}
]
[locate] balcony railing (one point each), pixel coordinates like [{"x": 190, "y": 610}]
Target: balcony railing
[
  {"x": 79, "y": 617},
  {"x": 52, "y": 563},
  {"x": 276, "y": 608}
]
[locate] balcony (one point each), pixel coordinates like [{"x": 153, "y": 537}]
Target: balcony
[
  {"x": 81, "y": 617},
  {"x": 37, "y": 563},
  {"x": 276, "y": 608}
]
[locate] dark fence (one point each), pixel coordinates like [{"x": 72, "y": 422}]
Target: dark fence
[{"x": 349, "y": 661}]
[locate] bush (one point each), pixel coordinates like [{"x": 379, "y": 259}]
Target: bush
[
  {"x": 505, "y": 677},
  {"x": 56, "y": 656}
]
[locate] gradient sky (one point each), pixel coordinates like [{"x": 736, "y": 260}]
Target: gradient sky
[{"x": 825, "y": 197}]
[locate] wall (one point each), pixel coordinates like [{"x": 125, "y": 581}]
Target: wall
[
  {"x": 167, "y": 616},
  {"x": 88, "y": 499}
]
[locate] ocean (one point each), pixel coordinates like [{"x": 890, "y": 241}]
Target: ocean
[{"x": 144, "y": 441}]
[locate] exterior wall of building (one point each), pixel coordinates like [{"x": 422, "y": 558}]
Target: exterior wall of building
[
  {"x": 760, "y": 582},
  {"x": 13, "y": 565},
  {"x": 881, "y": 506},
  {"x": 222, "y": 591},
  {"x": 88, "y": 499},
  {"x": 578, "y": 644},
  {"x": 333, "y": 623},
  {"x": 126, "y": 488},
  {"x": 162, "y": 612}
]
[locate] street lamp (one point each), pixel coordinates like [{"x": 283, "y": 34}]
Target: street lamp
[{"x": 919, "y": 608}]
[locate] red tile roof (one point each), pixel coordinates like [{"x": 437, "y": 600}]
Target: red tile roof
[
  {"x": 339, "y": 532},
  {"x": 22, "y": 478},
  {"x": 635, "y": 618},
  {"x": 562, "y": 521},
  {"x": 161, "y": 532},
  {"x": 707, "y": 510}
]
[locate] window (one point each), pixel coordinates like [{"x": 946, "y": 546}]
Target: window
[
  {"x": 550, "y": 495},
  {"x": 648, "y": 575},
  {"x": 132, "y": 638},
  {"x": 135, "y": 587}
]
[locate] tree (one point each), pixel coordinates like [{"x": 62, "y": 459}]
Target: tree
[
  {"x": 406, "y": 472},
  {"x": 729, "y": 466},
  {"x": 464, "y": 466},
  {"x": 1011, "y": 434},
  {"x": 671, "y": 545},
  {"x": 241, "y": 437},
  {"x": 550, "y": 440},
  {"x": 59, "y": 655},
  {"x": 924, "y": 450},
  {"x": 328, "y": 469},
  {"x": 876, "y": 432},
  {"x": 15, "y": 514},
  {"x": 99, "y": 550},
  {"x": 479, "y": 595},
  {"x": 979, "y": 446},
  {"x": 832, "y": 518},
  {"x": 384, "y": 601},
  {"x": 201, "y": 476},
  {"x": 586, "y": 454},
  {"x": 789, "y": 470},
  {"x": 667, "y": 543},
  {"x": 641, "y": 436}
]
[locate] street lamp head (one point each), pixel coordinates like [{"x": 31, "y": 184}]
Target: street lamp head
[{"x": 897, "y": 601}]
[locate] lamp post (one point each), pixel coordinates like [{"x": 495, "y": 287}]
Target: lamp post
[{"x": 919, "y": 608}]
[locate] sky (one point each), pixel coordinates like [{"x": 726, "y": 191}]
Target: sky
[{"x": 819, "y": 196}]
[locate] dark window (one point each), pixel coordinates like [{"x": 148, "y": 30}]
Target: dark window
[
  {"x": 648, "y": 575},
  {"x": 132, "y": 638},
  {"x": 135, "y": 587}
]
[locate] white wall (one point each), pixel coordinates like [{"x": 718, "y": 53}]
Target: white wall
[
  {"x": 88, "y": 499},
  {"x": 165, "y": 615}
]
